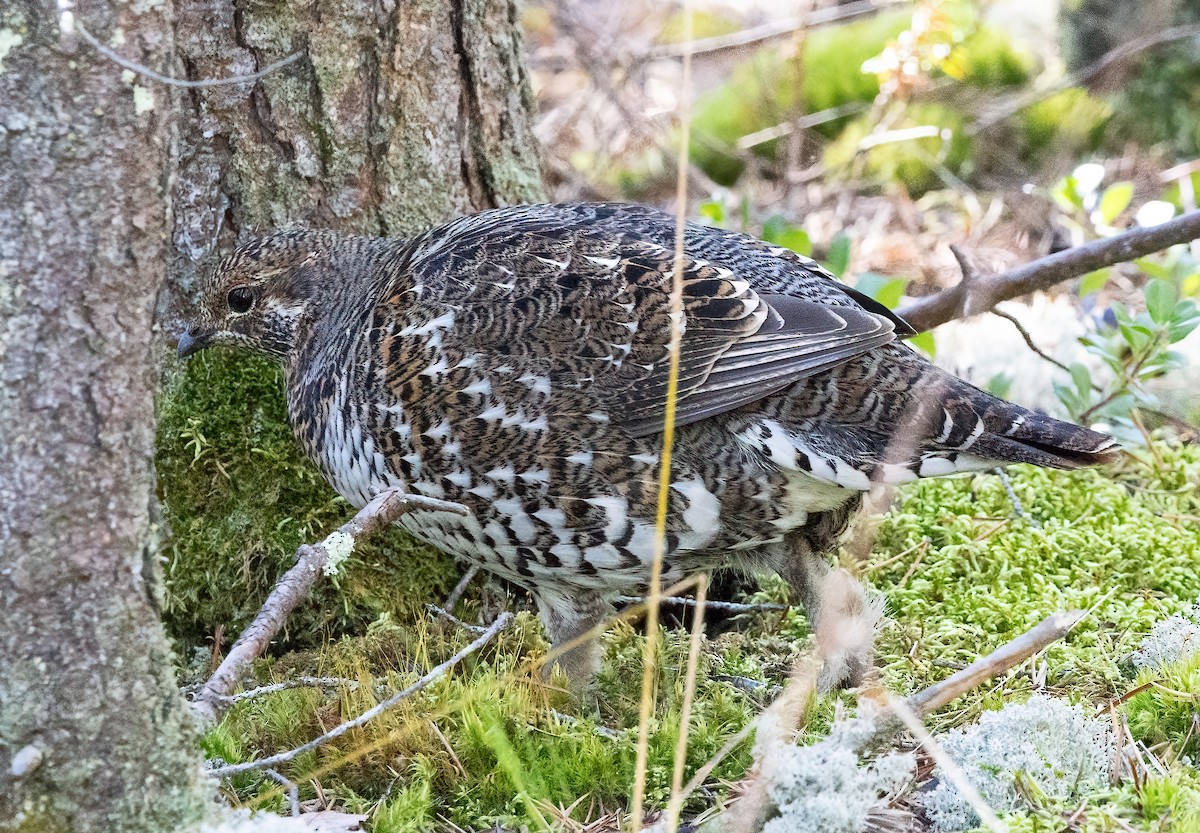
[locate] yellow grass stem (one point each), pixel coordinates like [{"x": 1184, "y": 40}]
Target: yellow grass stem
[{"x": 654, "y": 593}]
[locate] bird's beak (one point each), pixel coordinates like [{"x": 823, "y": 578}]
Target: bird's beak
[{"x": 190, "y": 342}]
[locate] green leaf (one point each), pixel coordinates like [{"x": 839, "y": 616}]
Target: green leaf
[
  {"x": 773, "y": 227},
  {"x": 1094, "y": 281},
  {"x": 1066, "y": 194},
  {"x": 1190, "y": 285},
  {"x": 1160, "y": 301},
  {"x": 885, "y": 290},
  {"x": 1154, "y": 270},
  {"x": 713, "y": 211},
  {"x": 797, "y": 240},
  {"x": 779, "y": 231},
  {"x": 999, "y": 385},
  {"x": 1082, "y": 377},
  {"x": 838, "y": 258},
  {"x": 925, "y": 343},
  {"x": 1114, "y": 200}
]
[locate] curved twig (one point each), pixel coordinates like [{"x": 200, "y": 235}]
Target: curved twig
[
  {"x": 146, "y": 72},
  {"x": 502, "y": 621},
  {"x": 295, "y": 586},
  {"x": 983, "y": 292}
]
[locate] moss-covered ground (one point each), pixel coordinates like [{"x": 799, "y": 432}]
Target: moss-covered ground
[{"x": 962, "y": 572}]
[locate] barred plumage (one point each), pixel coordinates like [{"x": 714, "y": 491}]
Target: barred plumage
[{"x": 515, "y": 361}]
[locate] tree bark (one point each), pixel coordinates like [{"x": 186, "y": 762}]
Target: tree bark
[
  {"x": 401, "y": 114},
  {"x": 94, "y": 735},
  {"x": 398, "y": 115}
]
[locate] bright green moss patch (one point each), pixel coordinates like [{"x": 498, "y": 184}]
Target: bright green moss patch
[
  {"x": 1123, "y": 544},
  {"x": 238, "y": 499},
  {"x": 483, "y": 744},
  {"x": 962, "y": 573},
  {"x": 1166, "y": 709}
]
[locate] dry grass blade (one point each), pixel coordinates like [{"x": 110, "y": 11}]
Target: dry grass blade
[
  {"x": 950, "y": 770},
  {"x": 668, "y": 437},
  {"x": 689, "y": 690}
]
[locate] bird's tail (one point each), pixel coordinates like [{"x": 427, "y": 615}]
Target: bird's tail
[{"x": 901, "y": 417}]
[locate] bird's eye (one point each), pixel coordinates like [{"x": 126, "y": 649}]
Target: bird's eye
[{"x": 241, "y": 299}]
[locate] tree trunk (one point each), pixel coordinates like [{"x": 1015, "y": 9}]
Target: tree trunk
[
  {"x": 86, "y": 682},
  {"x": 397, "y": 115}
]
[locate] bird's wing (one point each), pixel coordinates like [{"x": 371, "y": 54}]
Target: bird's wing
[{"x": 592, "y": 305}]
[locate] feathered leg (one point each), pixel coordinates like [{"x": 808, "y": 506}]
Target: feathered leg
[
  {"x": 843, "y": 619},
  {"x": 567, "y": 621}
]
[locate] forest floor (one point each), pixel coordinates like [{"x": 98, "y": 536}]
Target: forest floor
[{"x": 962, "y": 569}]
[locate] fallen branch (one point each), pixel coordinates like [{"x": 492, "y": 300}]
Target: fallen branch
[
  {"x": 296, "y": 585},
  {"x": 982, "y": 292},
  {"x": 502, "y": 621},
  {"x": 285, "y": 685},
  {"x": 1051, "y": 629}
]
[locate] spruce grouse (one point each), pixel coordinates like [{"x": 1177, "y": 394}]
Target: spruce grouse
[{"x": 516, "y": 362}]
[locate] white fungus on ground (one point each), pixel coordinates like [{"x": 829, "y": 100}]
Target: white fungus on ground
[
  {"x": 1045, "y": 741},
  {"x": 1170, "y": 640}
]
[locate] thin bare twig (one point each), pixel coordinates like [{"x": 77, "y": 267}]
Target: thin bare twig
[
  {"x": 298, "y": 682},
  {"x": 293, "y": 791},
  {"x": 985, "y": 291},
  {"x": 1049, "y": 630},
  {"x": 502, "y": 621},
  {"x": 295, "y": 586},
  {"x": 729, "y": 607},
  {"x": 770, "y": 31},
  {"x": 1123, "y": 52},
  {"x": 1013, "y": 499},
  {"x": 460, "y": 588},
  {"x": 442, "y": 613},
  {"x": 1030, "y": 343},
  {"x": 146, "y": 72}
]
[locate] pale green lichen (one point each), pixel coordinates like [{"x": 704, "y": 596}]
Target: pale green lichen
[
  {"x": 143, "y": 100},
  {"x": 9, "y": 40},
  {"x": 1171, "y": 640},
  {"x": 1044, "y": 745},
  {"x": 340, "y": 546}
]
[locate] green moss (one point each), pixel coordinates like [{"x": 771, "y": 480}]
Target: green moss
[
  {"x": 1117, "y": 543},
  {"x": 1122, "y": 542},
  {"x": 767, "y": 90},
  {"x": 988, "y": 57},
  {"x": 1069, "y": 123},
  {"x": 514, "y": 759},
  {"x": 1167, "y": 708},
  {"x": 238, "y": 499},
  {"x": 915, "y": 163}
]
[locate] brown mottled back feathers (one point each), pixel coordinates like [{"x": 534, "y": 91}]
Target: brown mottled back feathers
[{"x": 516, "y": 361}]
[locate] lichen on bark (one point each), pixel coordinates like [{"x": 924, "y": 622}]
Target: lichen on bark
[{"x": 87, "y": 682}]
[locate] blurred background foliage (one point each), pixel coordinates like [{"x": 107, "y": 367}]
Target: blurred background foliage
[{"x": 873, "y": 135}]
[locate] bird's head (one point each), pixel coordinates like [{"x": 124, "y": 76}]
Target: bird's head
[{"x": 260, "y": 296}]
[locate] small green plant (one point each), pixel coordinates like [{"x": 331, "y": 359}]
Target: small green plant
[{"x": 1135, "y": 349}]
